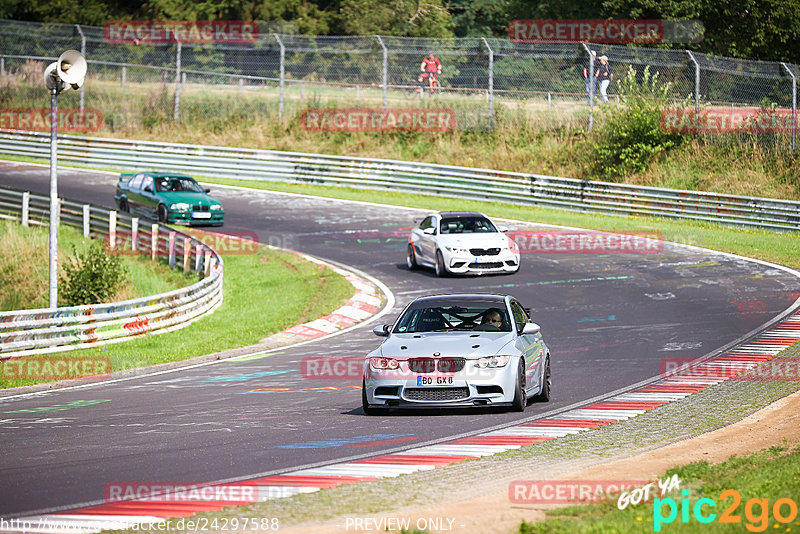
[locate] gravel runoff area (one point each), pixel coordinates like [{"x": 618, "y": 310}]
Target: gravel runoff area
[{"x": 452, "y": 487}]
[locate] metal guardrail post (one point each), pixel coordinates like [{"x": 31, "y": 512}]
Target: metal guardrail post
[
  {"x": 83, "y": 53},
  {"x": 112, "y": 229},
  {"x": 491, "y": 82},
  {"x": 2, "y": 66},
  {"x": 198, "y": 257},
  {"x": 176, "y": 112},
  {"x": 696, "y": 81},
  {"x": 26, "y": 203},
  {"x": 207, "y": 263},
  {"x": 86, "y": 220},
  {"x": 124, "y": 75},
  {"x": 283, "y": 74},
  {"x": 591, "y": 85},
  {"x": 385, "y": 69},
  {"x": 54, "y": 205},
  {"x": 187, "y": 254},
  {"x": 134, "y": 233},
  {"x": 794, "y": 106},
  {"x": 153, "y": 241},
  {"x": 172, "y": 250}
]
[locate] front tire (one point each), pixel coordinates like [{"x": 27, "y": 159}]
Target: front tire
[
  {"x": 162, "y": 214},
  {"x": 520, "y": 395},
  {"x": 123, "y": 206},
  {"x": 441, "y": 270},
  {"x": 544, "y": 394},
  {"x": 368, "y": 409},
  {"x": 411, "y": 259}
]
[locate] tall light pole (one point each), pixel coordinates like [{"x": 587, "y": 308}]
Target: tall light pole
[{"x": 68, "y": 71}]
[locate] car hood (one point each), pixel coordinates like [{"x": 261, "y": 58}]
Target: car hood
[
  {"x": 488, "y": 240},
  {"x": 446, "y": 343},
  {"x": 202, "y": 199}
]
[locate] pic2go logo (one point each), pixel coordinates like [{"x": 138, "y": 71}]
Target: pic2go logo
[{"x": 756, "y": 511}]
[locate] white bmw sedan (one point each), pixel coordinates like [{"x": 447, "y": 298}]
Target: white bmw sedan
[{"x": 461, "y": 242}]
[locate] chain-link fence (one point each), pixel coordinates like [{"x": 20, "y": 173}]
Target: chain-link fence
[{"x": 485, "y": 80}]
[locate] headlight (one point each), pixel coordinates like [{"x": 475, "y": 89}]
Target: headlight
[
  {"x": 492, "y": 361},
  {"x": 180, "y": 206},
  {"x": 457, "y": 250},
  {"x": 384, "y": 363},
  {"x": 216, "y": 207}
]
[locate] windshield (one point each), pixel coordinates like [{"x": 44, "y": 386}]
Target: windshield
[
  {"x": 465, "y": 225},
  {"x": 486, "y": 317},
  {"x": 167, "y": 184}
]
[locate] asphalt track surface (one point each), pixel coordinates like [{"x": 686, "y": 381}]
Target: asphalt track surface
[{"x": 610, "y": 320}]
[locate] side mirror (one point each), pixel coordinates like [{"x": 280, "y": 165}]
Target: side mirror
[
  {"x": 382, "y": 330},
  {"x": 429, "y": 231},
  {"x": 502, "y": 229},
  {"x": 207, "y": 190},
  {"x": 531, "y": 328}
]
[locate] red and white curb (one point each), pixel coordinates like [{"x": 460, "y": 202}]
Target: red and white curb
[{"x": 674, "y": 387}]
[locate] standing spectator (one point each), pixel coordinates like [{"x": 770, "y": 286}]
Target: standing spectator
[
  {"x": 591, "y": 66},
  {"x": 604, "y": 76}
]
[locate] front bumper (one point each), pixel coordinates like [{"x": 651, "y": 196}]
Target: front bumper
[
  {"x": 505, "y": 262},
  {"x": 196, "y": 218},
  {"x": 468, "y": 388}
]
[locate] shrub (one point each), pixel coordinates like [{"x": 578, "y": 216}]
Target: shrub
[
  {"x": 93, "y": 277},
  {"x": 628, "y": 136}
]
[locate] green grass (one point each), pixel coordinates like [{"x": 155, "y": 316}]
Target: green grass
[
  {"x": 263, "y": 293},
  {"x": 25, "y": 273},
  {"x": 771, "y": 474}
]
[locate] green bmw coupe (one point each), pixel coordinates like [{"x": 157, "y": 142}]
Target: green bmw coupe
[{"x": 169, "y": 198}]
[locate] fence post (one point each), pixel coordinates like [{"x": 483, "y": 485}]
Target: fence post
[
  {"x": 172, "y": 250},
  {"x": 491, "y": 82},
  {"x": 124, "y": 75},
  {"x": 696, "y": 81},
  {"x": 591, "y": 85},
  {"x": 283, "y": 73},
  {"x": 206, "y": 263},
  {"x": 385, "y": 69},
  {"x": 134, "y": 233},
  {"x": 549, "y": 103},
  {"x": 241, "y": 85},
  {"x": 153, "y": 241},
  {"x": 177, "y": 81},
  {"x": 86, "y": 220},
  {"x": 187, "y": 253},
  {"x": 83, "y": 52},
  {"x": 112, "y": 229},
  {"x": 2, "y": 66},
  {"x": 198, "y": 257},
  {"x": 794, "y": 106},
  {"x": 26, "y": 202}
]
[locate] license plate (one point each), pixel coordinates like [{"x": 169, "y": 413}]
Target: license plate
[
  {"x": 201, "y": 215},
  {"x": 434, "y": 380}
]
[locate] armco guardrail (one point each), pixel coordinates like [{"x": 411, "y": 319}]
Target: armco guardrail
[
  {"x": 426, "y": 178},
  {"x": 27, "y": 332}
]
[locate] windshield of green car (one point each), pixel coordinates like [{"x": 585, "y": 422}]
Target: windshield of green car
[{"x": 170, "y": 184}]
